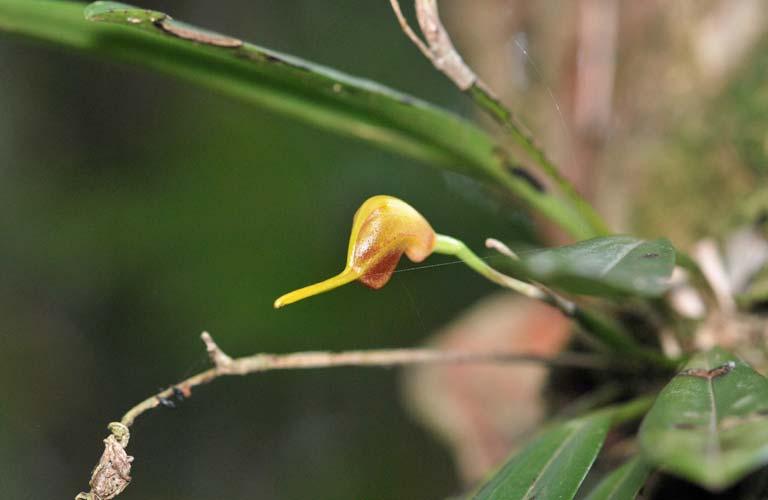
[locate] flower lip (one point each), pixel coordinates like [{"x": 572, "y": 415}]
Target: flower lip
[{"x": 383, "y": 229}]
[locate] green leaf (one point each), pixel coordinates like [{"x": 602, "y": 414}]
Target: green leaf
[
  {"x": 603, "y": 266},
  {"x": 553, "y": 465},
  {"x": 710, "y": 423},
  {"x": 623, "y": 483},
  {"x": 296, "y": 88},
  {"x": 121, "y": 13}
]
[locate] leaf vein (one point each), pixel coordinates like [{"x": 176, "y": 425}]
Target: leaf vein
[
  {"x": 619, "y": 257},
  {"x": 554, "y": 456},
  {"x": 713, "y": 444}
]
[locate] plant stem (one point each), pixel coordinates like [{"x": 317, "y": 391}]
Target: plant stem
[
  {"x": 439, "y": 49},
  {"x": 601, "y": 328},
  {"x": 447, "y": 245},
  {"x": 488, "y": 102},
  {"x": 610, "y": 334}
]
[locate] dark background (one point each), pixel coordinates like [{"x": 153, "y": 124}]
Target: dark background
[{"x": 136, "y": 211}]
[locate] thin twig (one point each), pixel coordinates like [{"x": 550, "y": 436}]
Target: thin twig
[
  {"x": 408, "y": 30},
  {"x": 112, "y": 475},
  {"x": 224, "y": 365},
  {"x": 440, "y": 51}
]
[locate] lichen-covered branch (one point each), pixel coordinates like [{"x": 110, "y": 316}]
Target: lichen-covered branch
[{"x": 112, "y": 474}]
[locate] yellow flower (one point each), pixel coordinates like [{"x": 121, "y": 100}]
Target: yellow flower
[{"x": 383, "y": 229}]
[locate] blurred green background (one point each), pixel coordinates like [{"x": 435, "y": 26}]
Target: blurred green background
[{"x": 136, "y": 212}]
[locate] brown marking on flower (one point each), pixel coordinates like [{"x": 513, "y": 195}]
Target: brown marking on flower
[
  {"x": 377, "y": 276},
  {"x": 383, "y": 229}
]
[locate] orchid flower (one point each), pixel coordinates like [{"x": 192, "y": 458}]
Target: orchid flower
[{"x": 383, "y": 229}]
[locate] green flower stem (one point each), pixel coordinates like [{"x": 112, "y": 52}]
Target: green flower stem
[
  {"x": 447, "y": 245},
  {"x": 601, "y": 328}
]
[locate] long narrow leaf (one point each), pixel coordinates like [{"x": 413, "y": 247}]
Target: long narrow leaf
[
  {"x": 710, "y": 423},
  {"x": 552, "y": 466},
  {"x": 281, "y": 83},
  {"x": 623, "y": 483}
]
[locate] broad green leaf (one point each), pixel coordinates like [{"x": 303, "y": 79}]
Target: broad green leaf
[
  {"x": 710, "y": 423},
  {"x": 296, "y": 88},
  {"x": 603, "y": 266},
  {"x": 553, "y": 465},
  {"x": 623, "y": 483}
]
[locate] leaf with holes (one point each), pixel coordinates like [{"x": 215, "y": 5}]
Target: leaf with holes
[
  {"x": 623, "y": 483},
  {"x": 710, "y": 423},
  {"x": 553, "y": 465},
  {"x": 610, "y": 265}
]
